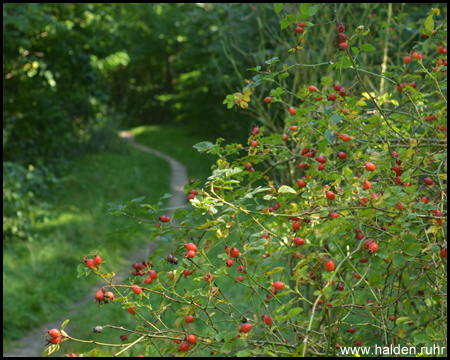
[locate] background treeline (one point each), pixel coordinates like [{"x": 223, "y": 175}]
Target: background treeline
[{"x": 75, "y": 73}]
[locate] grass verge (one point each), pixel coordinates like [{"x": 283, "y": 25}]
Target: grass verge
[{"x": 39, "y": 278}]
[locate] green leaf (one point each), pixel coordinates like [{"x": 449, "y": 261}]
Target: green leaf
[
  {"x": 429, "y": 23},
  {"x": 368, "y": 47},
  {"x": 313, "y": 9},
  {"x": 294, "y": 312},
  {"x": 239, "y": 343},
  {"x": 221, "y": 335},
  {"x": 304, "y": 8},
  {"x": 355, "y": 49},
  {"x": 336, "y": 119},
  {"x": 421, "y": 338},
  {"x": 430, "y": 332},
  {"x": 425, "y": 46},
  {"x": 278, "y": 7},
  {"x": 330, "y": 136},
  {"x": 288, "y": 21},
  {"x": 64, "y": 324},
  {"x": 348, "y": 172},
  {"x": 412, "y": 249},
  {"x": 398, "y": 260},
  {"x": 273, "y": 60},
  {"x": 244, "y": 353}
]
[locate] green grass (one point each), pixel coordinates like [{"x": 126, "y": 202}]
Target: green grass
[
  {"x": 39, "y": 278},
  {"x": 176, "y": 142}
]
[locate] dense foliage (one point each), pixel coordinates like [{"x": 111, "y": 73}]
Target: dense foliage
[{"x": 325, "y": 230}]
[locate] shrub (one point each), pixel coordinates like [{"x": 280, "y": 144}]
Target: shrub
[
  {"x": 21, "y": 207},
  {"x": 371, "y": 269}
]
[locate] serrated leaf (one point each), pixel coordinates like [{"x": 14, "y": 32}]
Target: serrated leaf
[
  {"x": 401, "y": 333},
  {"x": 221, "y": 335},
  {"x": 304, "y": 8},
  {"x": 243, "y": 353},
  {"x": 274, "y": 271},
  {"x": 421, "y": 338},
  {"x": 239, "y": 343},
  {"x": 368, "y": 47},
  {"x": 355, "y": 49},
  {"x": 294, "y": 312},
  {"x": 313, "y": 9},
  {"x": 329, "y": 135},
  {"x": 398, "y": 260},
  {"x": 412, "y": 249},
  {"x": 287, "y": 21}
]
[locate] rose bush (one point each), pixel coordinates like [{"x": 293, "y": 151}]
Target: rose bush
[{"x": 329, "y": 232}]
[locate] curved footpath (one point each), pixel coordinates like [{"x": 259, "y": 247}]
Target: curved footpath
[{"x": 34, "y": 340}]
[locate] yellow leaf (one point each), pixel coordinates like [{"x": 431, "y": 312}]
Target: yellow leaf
[
  {"x": 420, "y": 140},
  {"x": 230, "y": 224},
  {"x": 433, "y": 230},
  {"x": 401, "y": 333},
  {"x": 243, "y": 104},
  {"x": 367, "y": 96},
  {"x": 410, "y": 153},
  {"x": 222, "y": 234},
  {"x": 361, "y": 103},
  {"x": 413, "y": 142}
]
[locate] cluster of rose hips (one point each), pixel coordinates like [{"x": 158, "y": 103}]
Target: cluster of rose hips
[
  {"x": 441, "y": 62},
  {"x": 398, "y": 170},
  {"x": 55, "y": 336},
  {"x": 139, "y": 268},
  {"x": 93, "y": 263},
  {"x": 234, "y": 253},
  {"x": 192, "y": 194},
  {"x": 430, "y": 117},
  {"x": 272, "y": 209},
  {"x": 171, "y": 259},
  {"x": 164, "y": 218},
  {"x": 185, "y": 346},
  {"x": 300, "y": 27},
  {"x": 249, "y": 167},
  {"x": 371, "y": 245},
  {"x": 342, "y": 91},
  {"x": 104, "y": 297},
  {"x": 191, "y": 250},
  {"x": 254, "y": 143},
  {"x": 404, "y": 84},
  {"x": 341, "y": 37}
]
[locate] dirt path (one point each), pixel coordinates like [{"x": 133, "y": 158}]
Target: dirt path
[{"x": 179, "y": 177}]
